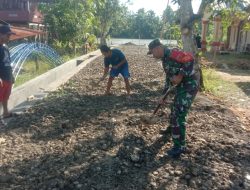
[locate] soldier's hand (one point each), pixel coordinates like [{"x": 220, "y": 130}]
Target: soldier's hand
[{"x": 177, "y": 79}]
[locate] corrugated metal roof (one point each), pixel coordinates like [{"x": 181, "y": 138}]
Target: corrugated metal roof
[{"x": 24, "y": 33}]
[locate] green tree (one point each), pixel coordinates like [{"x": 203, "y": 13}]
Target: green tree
[
  {"x": 107, "y": 12},
  {"x": 131, "y": 25},
  {"x": 169, "y": 16},
  {"x": 120, "y": 27},
  {"x": 170, "y": 29},
  {"x": 145, "y": 25},
  {"x": 69, "y": 21}
]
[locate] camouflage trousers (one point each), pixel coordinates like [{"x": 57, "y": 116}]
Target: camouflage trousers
[{"x": 183, "y": 100}]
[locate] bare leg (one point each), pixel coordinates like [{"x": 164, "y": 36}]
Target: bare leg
[
  {"x": 127, "y": 85},
  {"x": 5, "y": 107},
  {"x": 109, "y": 85}
]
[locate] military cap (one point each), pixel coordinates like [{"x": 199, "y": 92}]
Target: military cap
[{"x": 153, "y": 44}]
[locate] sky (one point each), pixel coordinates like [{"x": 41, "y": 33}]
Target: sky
[{"x": 157, "y": 6}]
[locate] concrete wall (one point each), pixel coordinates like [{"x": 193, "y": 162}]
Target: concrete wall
[{"x": 50, "y": 80}]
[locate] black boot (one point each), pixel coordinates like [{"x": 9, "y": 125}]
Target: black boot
[
  {"x": 176, "y": 152},
  {"x": 166, "y": 131}
]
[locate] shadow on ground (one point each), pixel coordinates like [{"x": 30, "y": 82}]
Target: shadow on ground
[{"x": 245, "y": 87}]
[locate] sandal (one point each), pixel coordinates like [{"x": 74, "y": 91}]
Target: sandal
[{"x": 11, "y": 114}]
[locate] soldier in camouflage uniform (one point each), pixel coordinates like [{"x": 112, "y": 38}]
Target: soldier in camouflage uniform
[{"x": 182, "y": 75}]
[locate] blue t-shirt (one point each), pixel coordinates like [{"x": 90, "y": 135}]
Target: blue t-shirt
[
  {"x": 5, "y": 67},
  {"x": 116, "y": 57}
]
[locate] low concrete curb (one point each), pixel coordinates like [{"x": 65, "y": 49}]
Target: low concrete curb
[{"x": 38, "y": 87}]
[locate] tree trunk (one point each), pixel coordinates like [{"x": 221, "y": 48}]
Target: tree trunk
[
  {"x": 186, "y": 22},
  {"x": 186, "y": 15},
  {"x": 74, "y": 48},
  {"x": 103, "y": 40},
  {"x": 37, "y": 63},
  {"x": 103, "y": 35}
]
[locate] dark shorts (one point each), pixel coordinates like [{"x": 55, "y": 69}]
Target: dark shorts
[
  {"x": 5, "y": 91},
  {"x": 123, "y": 71}
]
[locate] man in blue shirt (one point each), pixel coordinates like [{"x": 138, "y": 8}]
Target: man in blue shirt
[
  {"x": 119, "y": 65},
  {"x": 6, "y": 77}
]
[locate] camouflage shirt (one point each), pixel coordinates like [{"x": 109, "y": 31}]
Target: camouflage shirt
[{"x": 173, "y": 68}]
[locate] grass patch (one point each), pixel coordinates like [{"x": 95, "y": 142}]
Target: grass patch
[
  {"x": 232, "y": 60},
  {"x": 216, "y": 85},
  {"x": 31, "y": 70}
]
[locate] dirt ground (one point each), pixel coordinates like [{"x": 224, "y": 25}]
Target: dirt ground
[
  {"x": 78, "y": 138},
  {"x": 235, "y": 70}
]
